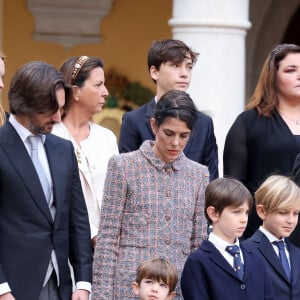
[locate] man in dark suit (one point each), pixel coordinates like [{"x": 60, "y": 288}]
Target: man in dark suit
[
  {"x": 43, "y": 222},
  {"x": 170, "y": 64}
]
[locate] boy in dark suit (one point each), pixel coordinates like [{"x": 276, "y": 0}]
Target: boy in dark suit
[
  {"x": 278, "y": 205},
  {"x": 170, "y": 64},
  {"x": 221, "y": 268}
]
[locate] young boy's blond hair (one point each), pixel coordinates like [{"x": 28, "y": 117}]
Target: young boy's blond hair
[{"x": 278, "y": 192}]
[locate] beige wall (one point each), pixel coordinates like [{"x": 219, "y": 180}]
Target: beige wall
[{"x": 127, "y": 33}]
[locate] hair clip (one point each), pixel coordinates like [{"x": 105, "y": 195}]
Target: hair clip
[
  {"x": 77, "y": 67},
  {"x": 278, "y": 49}
]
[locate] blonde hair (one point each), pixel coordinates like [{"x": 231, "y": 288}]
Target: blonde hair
[
  {"x": 2, "y": 112},
  {"x": 278, "y": 192},
  {"x": 2, "y": 115}
]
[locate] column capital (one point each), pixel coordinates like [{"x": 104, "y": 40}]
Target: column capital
[
  {"x": 68, "y": 22},
  {"x": 240, "y": 25}
]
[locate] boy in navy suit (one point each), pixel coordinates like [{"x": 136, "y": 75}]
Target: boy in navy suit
[
  {"x": 278, "y": 205},
  {"x": 221, "y": 268}
]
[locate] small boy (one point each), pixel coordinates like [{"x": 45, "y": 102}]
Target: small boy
[
  {"x": 278, "y": 205},
  {"x": 221, "y": 268},
  {"x": 156, "y": 279}
]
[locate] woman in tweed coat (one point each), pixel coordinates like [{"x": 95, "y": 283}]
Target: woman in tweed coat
[{"x": 152, "y": 204}]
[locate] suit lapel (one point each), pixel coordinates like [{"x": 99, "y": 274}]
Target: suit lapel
[
  {"x": 19, "y": 158},
  {"x": 55, "y": 156},
  {"x": 218, "y": 258},
  {"x": 268, "y": 252},
  {"x": 149, "y": 115},
  {"x": 295, "y": 263},
  {"x": 250, "y": 266},
  {"x": 193, "y": 132}
]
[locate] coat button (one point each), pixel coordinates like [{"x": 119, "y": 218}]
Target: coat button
[
  {"x": 167, "y": 241},
  {"x": 243, "y": 286}
]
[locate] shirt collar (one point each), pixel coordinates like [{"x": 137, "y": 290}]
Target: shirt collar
[
  {"x": 22, "y": 131},
  {"x": 147, "y": 151},
  {"x": 271, "y": 237},
  {"x": 220, "y": 243}
]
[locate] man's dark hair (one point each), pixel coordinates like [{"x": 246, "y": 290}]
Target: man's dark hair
[
  {"x": 165, "y": 50},
  {"x": 33, "y": 89}
]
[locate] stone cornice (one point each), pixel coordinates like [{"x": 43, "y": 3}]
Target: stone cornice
[{"x": 68, "y": 22}]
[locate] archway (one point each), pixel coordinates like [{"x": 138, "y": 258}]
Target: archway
[{"x": 292, "y": 35}]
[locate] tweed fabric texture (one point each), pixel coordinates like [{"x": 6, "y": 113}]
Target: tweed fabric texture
[{"x": 149, "y": 209}]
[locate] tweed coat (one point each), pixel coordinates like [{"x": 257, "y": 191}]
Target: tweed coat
[{"x": 149, "y": 209}]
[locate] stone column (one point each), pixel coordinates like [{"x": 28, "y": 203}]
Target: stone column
[{"x": 217, "y": 30}]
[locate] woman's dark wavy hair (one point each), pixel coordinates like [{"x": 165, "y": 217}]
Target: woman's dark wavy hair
[{"x": 175, "y": 104}]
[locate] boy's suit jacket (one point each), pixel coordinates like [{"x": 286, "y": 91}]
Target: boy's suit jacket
[
  {"x": 201, "y": 147},
  {"x": 27, "y": 231},
  {"x": 295, "y": 236},
  {"x": 208, "y": 276},
  {"x": 283, "y": 288}
]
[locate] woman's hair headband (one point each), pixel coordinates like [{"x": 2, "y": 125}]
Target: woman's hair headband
[
  {"x": 77, "y": 67},
  {"x": 278, "y": 49}
]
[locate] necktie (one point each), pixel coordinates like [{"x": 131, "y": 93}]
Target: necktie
[
  {"x": 283, "y": 258},
  {"x": 234, "y": 250},
  {"x": 34, "y": 140}
]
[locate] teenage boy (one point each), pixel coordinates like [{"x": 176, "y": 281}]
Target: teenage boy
[
  {"x": 170, "y": 64},
  {"x": 278, "y": 206},
  {"x": 222, "y": 269}
]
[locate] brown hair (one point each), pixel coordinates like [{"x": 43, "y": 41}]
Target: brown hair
[
  {"x": 158, "y": 269},
  {"x": 33, "y": 89},
  {"x": 175, "y": 104},
  {"x": 224, "y": 192},
  {"x": 77, "y": 70},
  {"x": 278, "y": 192},
  {"x": 171, "y": 50},
  {"x": 2, "y": 112},
  {"x": 265, "y": 98}
]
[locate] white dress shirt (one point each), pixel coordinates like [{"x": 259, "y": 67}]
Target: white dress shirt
[{"x": 221, "y": 245}]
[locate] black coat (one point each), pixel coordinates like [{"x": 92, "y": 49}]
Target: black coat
[
  {"x": 27, "y": 231},
  {"x": 255, "y": 148}
]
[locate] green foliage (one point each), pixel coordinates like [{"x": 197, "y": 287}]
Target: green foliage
[{"x": 136, "y": 93}]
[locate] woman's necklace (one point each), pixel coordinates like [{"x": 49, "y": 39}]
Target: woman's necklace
[{"x": 297, "y": 122}]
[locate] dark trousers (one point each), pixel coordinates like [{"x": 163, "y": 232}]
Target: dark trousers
[{"x": 50, "y": 290}]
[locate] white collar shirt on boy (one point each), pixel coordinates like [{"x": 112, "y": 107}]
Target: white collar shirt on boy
[
  {"x": 272, "y": 238},
  {"x": 221, "y": 245}
]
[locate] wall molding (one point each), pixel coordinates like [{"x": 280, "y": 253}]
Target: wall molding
[{"x": 68, "y": 22}]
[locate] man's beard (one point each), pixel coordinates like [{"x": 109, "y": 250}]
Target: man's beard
[{"x": 36, "y": 129}]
